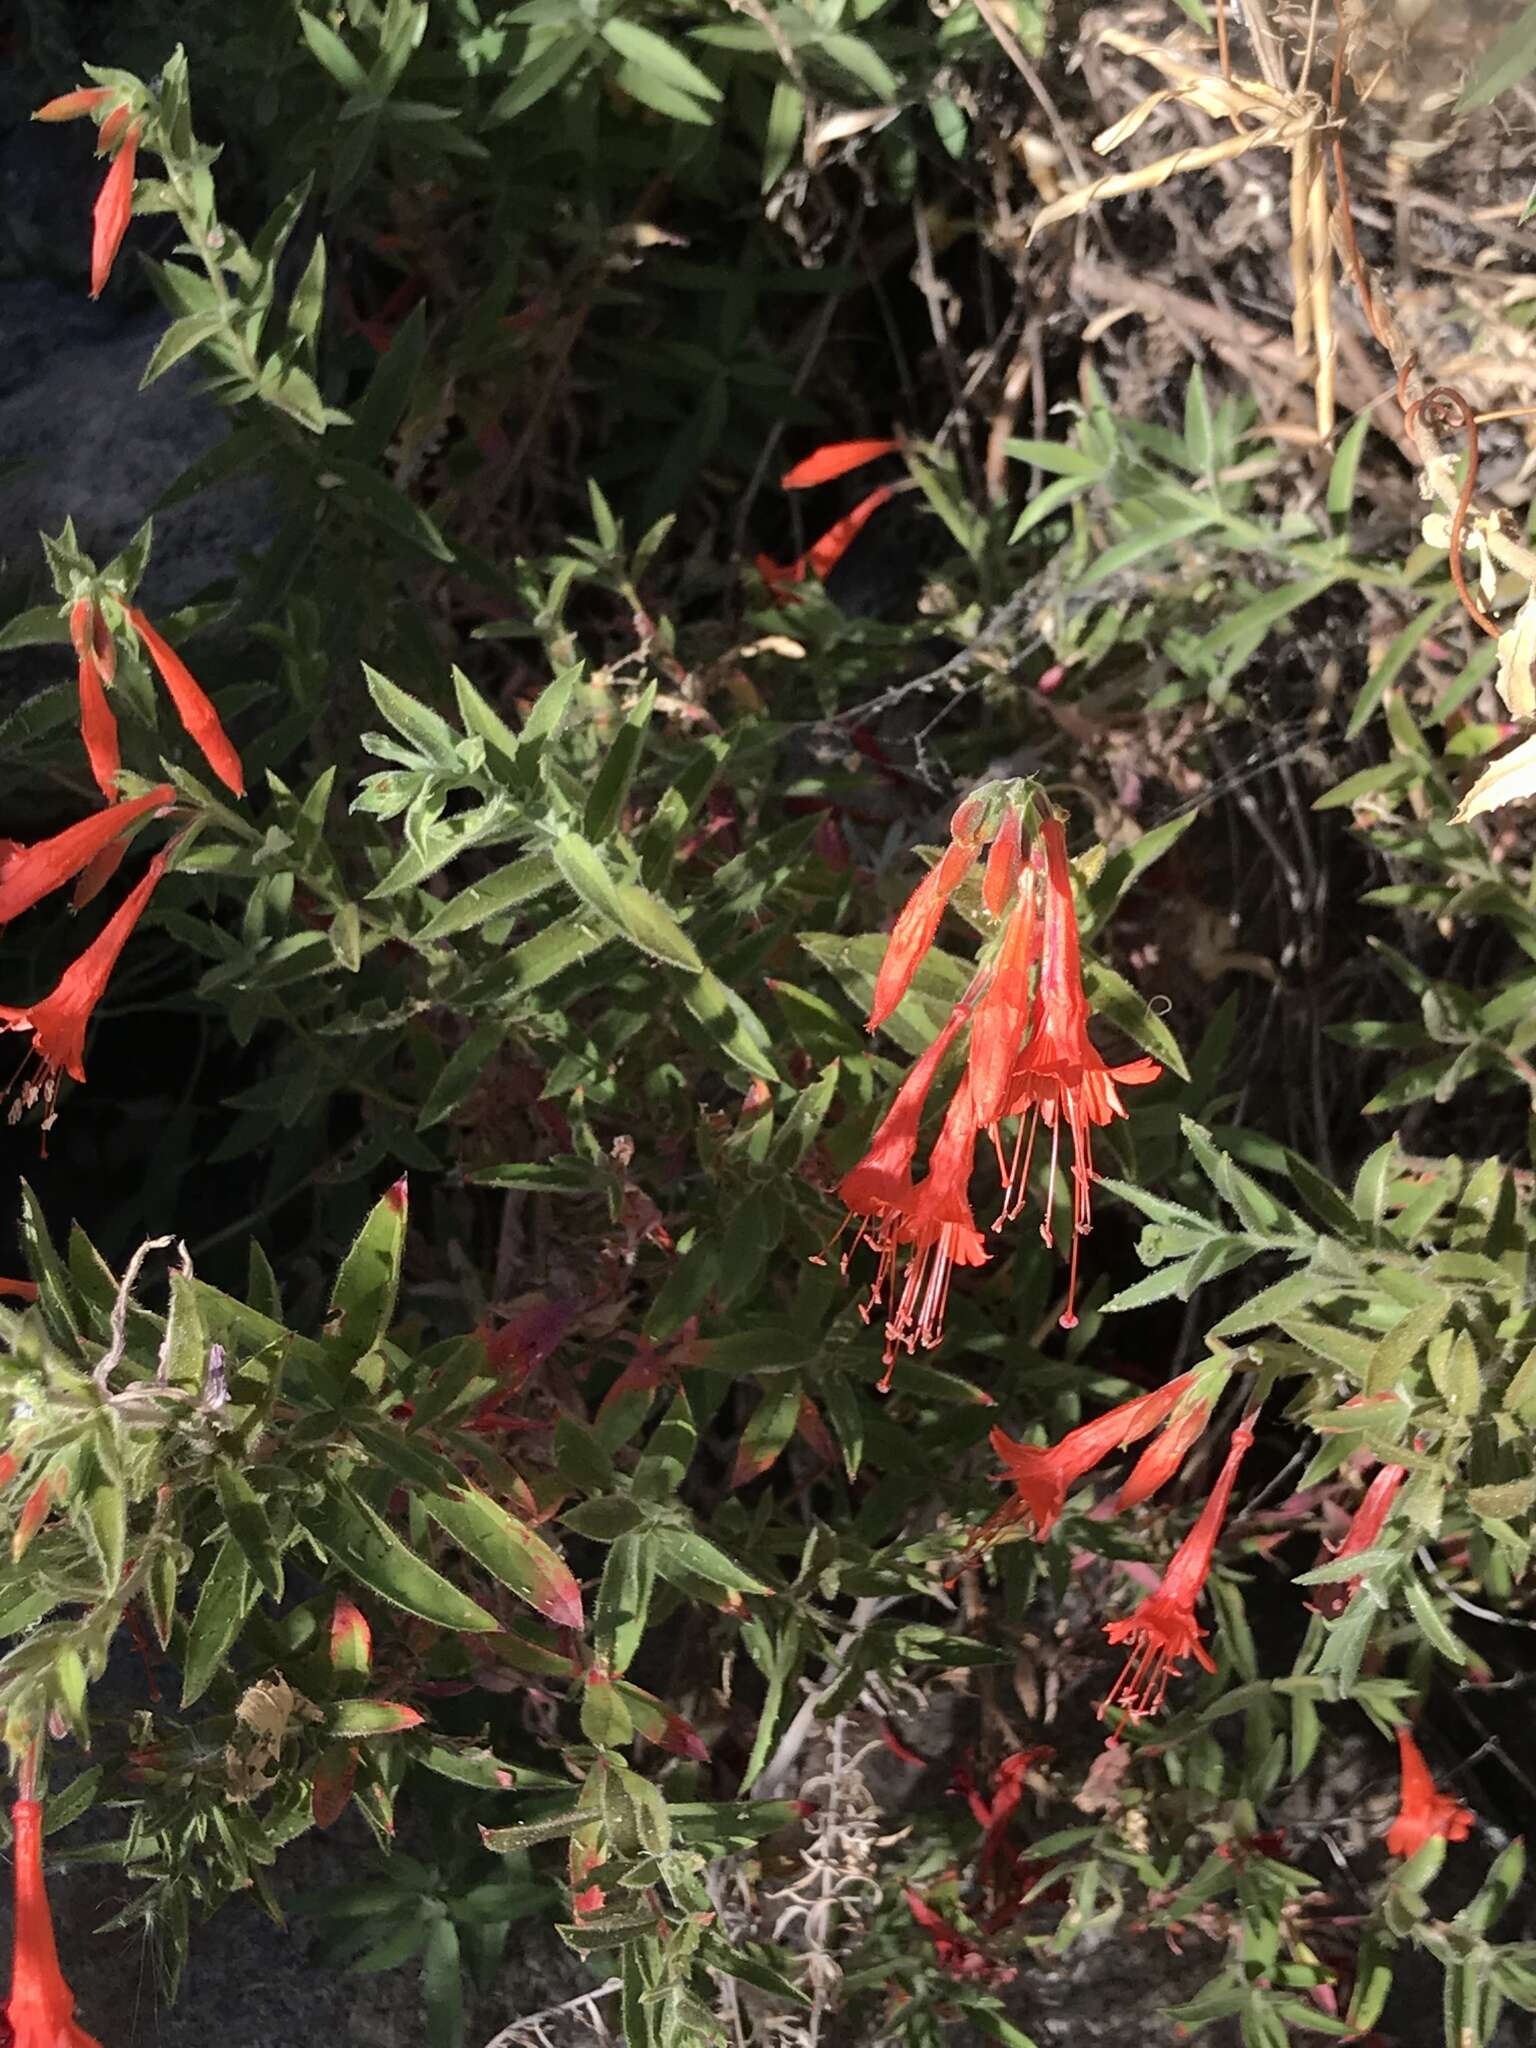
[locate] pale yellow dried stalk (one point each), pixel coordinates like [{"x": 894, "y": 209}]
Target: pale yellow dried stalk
[{"x": 1264, "y": 118}]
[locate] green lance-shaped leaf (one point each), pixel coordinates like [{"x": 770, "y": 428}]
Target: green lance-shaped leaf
[
  {"x": 247, "y": 1522},
  {"x": 770, "y": 1429},
  {"x": 221, "y": 1607},
  {"x": 510, "y": 1551},
  {"x": 624, "y": 1598},
  {"x": 360, "y": 1718},
  {"x": 605, "y": 1716},
  {"x": 363, "y": 1299},
  {"x": 54, "y": 1294},
  {"x": 348, "y": 1532}
]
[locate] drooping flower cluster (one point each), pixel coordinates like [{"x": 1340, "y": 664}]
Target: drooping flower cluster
[
  {"x": 89, "y": 852},
  {"x": 118, "y": 136},
  {"x": 1029, "y": 1062}
]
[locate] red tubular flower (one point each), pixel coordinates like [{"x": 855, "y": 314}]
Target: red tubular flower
[
  {"x": 1005, "y": 863},
  {"x": 1060, "y": 1077},
  {"x": 41, "y": 2008},
  {"x": 824, "y": 553},
  {"x": 111, "y": 130},
  {"x": 881, "y": 1184},
  {"x": 957, "y": 1954},
  {"x": 98, "y": 727},
  {"x": 834, "y": 459},
  {"x": 114, "y": 209},
  {"x": 58, "y": 1021},
  {"x": 941, "y": 1232},
  {"x": 70, "y": 106},
  {"x": 1370, "y": 1519},
  {"x": 916, "y": 928},
  {"x": 29, "y": 873},
  {"x": 1002, "y": 1019},
  {"x": 1164, "y": 1455},
  {"x": 192, "y": 706},
  {"x": 1163, "y": 1630},
  {"x": 1423, "y": 1812},
  {"x": 1042, "y": 1477}
]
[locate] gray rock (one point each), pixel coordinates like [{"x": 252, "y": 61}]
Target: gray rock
[{"x": 78, "y": 439}]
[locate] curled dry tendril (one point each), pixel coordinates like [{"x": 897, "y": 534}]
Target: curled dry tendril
[{"x": 1444, "y": 410}]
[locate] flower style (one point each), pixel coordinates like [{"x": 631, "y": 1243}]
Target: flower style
[
  {"x": 193, "y": 708},
  {"x": 1060, "y": 1077},
  {"x": 1163, "y": 1630},
  {"x": 1370, "y": 1518},
  {"x": 1423, "y": 1811},
  {"x": 41, "y": 2008},
  {"x": 96, "y": 655},
  {"x": 29, "y": 873},
  {"x": 58, "y": 1021}
]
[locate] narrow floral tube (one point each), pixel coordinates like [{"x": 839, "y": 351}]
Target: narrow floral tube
[
  {"x": 41, "y": 2006},
  {"x": 193, "y": 708},
  {"x": 113, "y": 211},
  {"x": 29, "y": 873},
  {"x": 1423, "y": 1810},
  {"x": 58, "y": 1021},
  {"x": 834, "y": 459}
]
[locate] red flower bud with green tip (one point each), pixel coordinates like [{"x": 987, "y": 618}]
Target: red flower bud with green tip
[
  {"x": 36, "y": 1510},
  {"x": 41, "y": 2007}
]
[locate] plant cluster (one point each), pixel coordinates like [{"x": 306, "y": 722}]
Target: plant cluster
[{"x": 541, "y": 862}]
